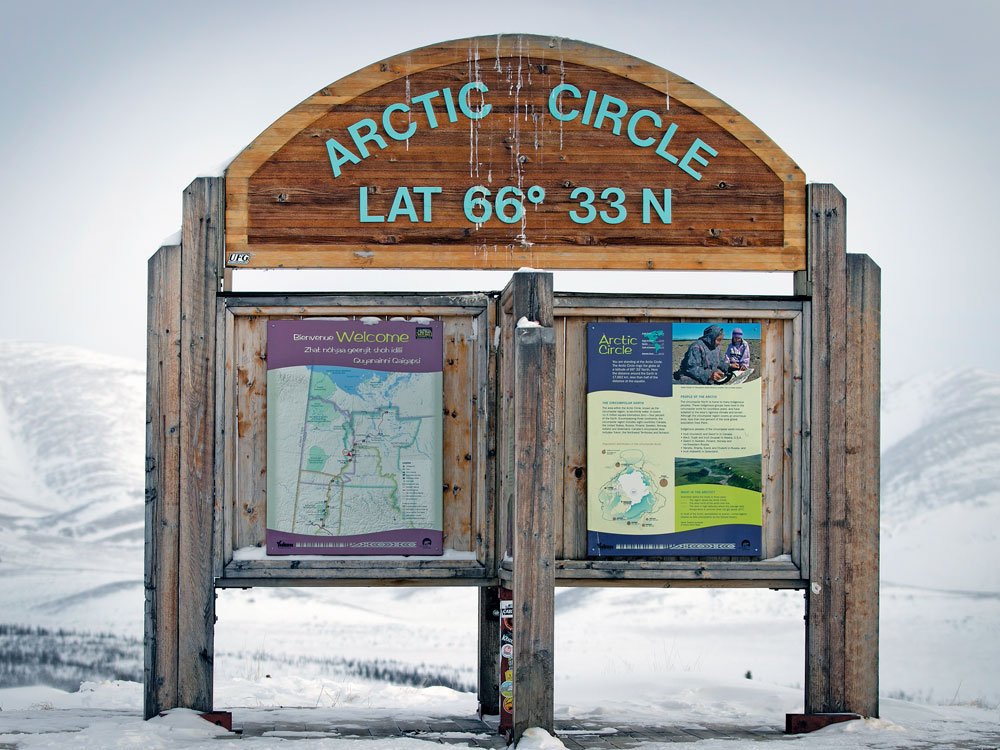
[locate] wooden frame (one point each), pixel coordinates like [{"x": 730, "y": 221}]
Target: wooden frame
[
  {"x": 525, "y": 51},
  {"x": 468, "y": 506},
  {"x": 786, "y": 540},
  {"x": 515, "y": 456}
]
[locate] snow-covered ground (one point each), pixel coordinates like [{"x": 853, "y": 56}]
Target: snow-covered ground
[
  {"x": 108, "y": 715},
  {"x": 71, "y": 558}
]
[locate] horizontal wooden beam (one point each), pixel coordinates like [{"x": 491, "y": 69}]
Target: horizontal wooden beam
[{"x": 436, "y": 256}]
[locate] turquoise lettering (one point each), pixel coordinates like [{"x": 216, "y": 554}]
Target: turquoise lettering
[
  {"x": 554, "y": 95},
  {"x": 425, "y": 99},
  {"x": 339, "y": 156},
  {"x": 661, "y": 150},
  {"x": 640, "y": 114},
  {"x": 426, "y": 193},
  {"x": 604, "y": 111},
  {"x": 616, "y": 200},
  {"x": 371, "y": 136},
  {"x": 662, "y": 209},
  {"x": 463, "y": 100},
  {"x": 693, "y": 155},
  {"x": 449, "y": 105},
  {"x": 363, "y": 208},
  {"x": 387, "y": 123},
  {"x": 588, "y": 108},
  {"x": 402, "y": 204}
]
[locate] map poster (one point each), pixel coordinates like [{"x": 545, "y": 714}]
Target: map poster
[
  {"x": 354, "y": 437},
  {"x": 673, "y": 439}
]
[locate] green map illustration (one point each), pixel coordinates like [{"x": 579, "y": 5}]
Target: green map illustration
[
  {"x": 632, "y": 494},
  {"x": 353, "y": 451}
]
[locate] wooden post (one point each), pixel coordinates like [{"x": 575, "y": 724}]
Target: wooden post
[
  {"x": 163, "y": 384},
  {"x": 826, "y": 595},
  {"x": 180, "y": 462},
  {"x": 842, "y": 609},
  {"x": 489, "y": 650},
  {"x": 863, "y": 448},
  {"x": 534, "y": 521},
  {"x": 201, "y": 253}
]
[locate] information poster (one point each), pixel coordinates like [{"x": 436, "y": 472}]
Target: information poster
[
  {"x": 354, "y": 437},
  {"x": 673, "y": 439}
]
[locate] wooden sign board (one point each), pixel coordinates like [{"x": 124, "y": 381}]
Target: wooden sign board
[{"x": 510, "y": 151}]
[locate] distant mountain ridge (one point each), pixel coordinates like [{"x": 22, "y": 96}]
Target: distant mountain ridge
[
  {"x": 71, "y": 443},
  {"x": 72, "y": 485},
  {"x": 942, "y": 436}
]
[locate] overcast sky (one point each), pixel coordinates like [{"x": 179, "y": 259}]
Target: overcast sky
[{"x": 110, "y": 108}]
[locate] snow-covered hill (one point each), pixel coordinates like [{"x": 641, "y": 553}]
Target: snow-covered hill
[
  {"x": 71, "y": 512},
  {"x": 72, "y": 434},
  {"x": 71, "y": 443},
  {"x": 941, "y": 482}
]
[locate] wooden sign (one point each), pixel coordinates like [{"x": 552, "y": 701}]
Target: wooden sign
[{"x": 512, "y": 151}]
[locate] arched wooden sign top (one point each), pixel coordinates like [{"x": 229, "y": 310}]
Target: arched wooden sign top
[{"x": 511, "y": 151}]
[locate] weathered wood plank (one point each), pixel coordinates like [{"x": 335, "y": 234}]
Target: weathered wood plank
[
  {"x": 339, "y": 567},
  {"x": 680, "y": 305},
  {"x": 825, "y": 638},
  {"x": 863, "y": 400},
  {"x": 794, "y": 584},
  {"x": 682, "y": 568},
  {"x": 667, "y": 307},
  {"x": 459, "y": 422},
  {"x": 787, "y": 470},
  {"x": 201, "y": 252},
  {"x": 430, "y": 256},
  {"x": 560, "y": 435},
  {"x": 772, "y": 415},
  {"x": 505, "y": 422},
  {"x": 162, "y": 480},
  {"x": 488, "y": 684},
  {"x": 223, "y": 368},
  {"x": 750, "y": 171},
  {"x": 335, "y": 305},
  {"x": 487, "y": 462},
  {"x": 534, "y": 478},
  {"x": 574, "y": 470},
  {"x": 250, "y": 437},
  {"x": 799, "y": 451}
]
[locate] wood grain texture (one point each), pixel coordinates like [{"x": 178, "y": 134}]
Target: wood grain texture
[
  {"x": 861, "y": 628},
  {"x": 249, "y": 499},
  {"x": 488, "y": 684},
  {"x": 162, "y": 480},
  {"x": 781, "y": 331},
  {"x": 574, "y": 440},
  {"x": 534, "y": 365},
  {"x": 458, "y": 434},
  {"x": 353, "y": 572},
  {"x": 467, "y": 469},
  {"x": 222, "y": 425},
  {"x": 799, "y": 530},
  {"x": 201, "y": 251},
  {"x": 487, "y": 456},
  {"x": 827, "y": 597},
  {"x": 286, "y": 209},
  {"x": 773, "y": 390}
]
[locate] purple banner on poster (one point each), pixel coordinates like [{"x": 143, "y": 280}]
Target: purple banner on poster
[
  {"x": 354, "y": 434},
  {"x": 387, "y": 346}
]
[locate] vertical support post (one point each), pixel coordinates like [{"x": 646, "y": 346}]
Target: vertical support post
[
  {"x": 163, "y": 385},
  {"x": 489, "y": 650},
  {"x": 826, "y": 598},
  {"x": 534, "y": 522},
  {"x": 863, "y": 471},
  {"x": 841, "y": 616},
  {"x": 201, "y": 251}
]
